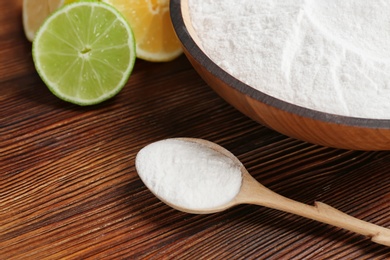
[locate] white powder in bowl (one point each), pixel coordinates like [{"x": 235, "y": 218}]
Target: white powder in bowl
[
  {"x": 332, "y": 56},
  {"x": 188, "y": 174}
]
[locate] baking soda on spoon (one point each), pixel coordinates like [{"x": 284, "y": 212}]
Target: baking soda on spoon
[
  {"x": 187, "y": 174},
  {"x": 332, "y": 56}
]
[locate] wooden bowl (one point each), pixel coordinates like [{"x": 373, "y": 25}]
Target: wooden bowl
[{"x": 295, "y": 121}]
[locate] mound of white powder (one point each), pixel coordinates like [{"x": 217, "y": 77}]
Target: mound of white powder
[
  {"x": 188, "y": 174},
  {"x": 332, "y": 56}
]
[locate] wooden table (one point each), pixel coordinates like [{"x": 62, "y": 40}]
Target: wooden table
[{"x": 69, "y": 189}]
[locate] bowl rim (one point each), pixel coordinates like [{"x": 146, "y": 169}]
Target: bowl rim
[{"x": 197, "y": 53}]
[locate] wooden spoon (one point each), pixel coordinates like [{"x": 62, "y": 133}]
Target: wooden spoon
[{"x": 252, "y": 192}]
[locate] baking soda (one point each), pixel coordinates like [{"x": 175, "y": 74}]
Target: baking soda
[
  {"x": 332, "y": 56},
  {"x": 188, "y": 174}
]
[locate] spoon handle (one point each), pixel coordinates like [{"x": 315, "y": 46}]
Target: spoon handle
[{"x": 255, "y": 193}]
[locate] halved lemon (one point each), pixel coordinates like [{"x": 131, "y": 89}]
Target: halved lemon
[
  {"x": 150, "y": 20},
  {"x": 36, "y": 11}
]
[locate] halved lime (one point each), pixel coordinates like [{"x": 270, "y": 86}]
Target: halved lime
[{"x": 84, "y": 52}]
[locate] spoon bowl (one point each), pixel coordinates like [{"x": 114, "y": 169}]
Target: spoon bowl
[{"x": 252, "y": 192}]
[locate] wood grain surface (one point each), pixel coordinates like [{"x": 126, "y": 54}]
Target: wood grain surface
[{"x": 69, "y": 189}]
